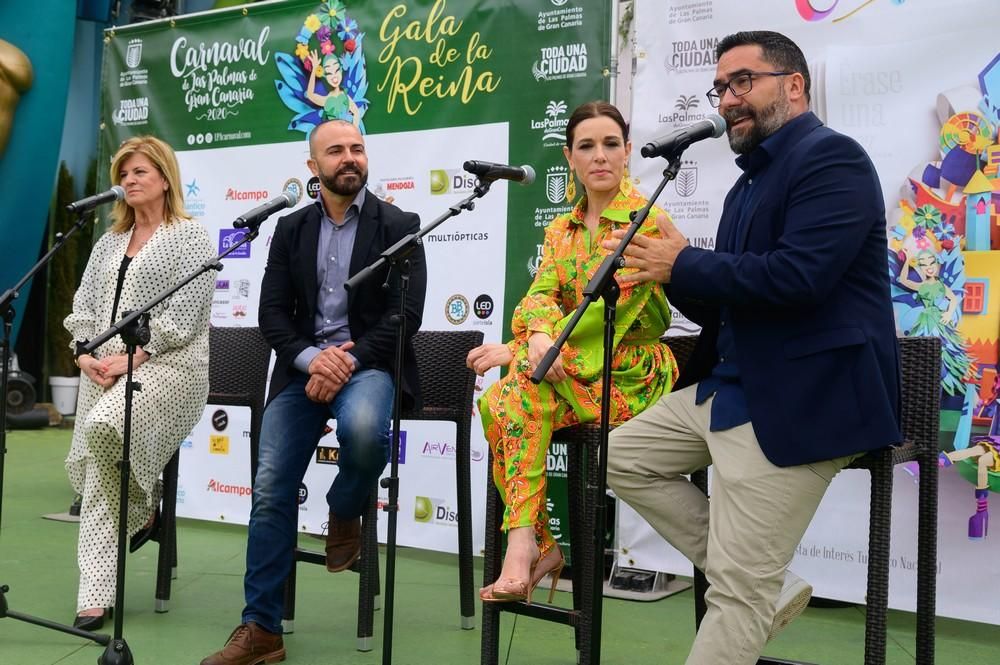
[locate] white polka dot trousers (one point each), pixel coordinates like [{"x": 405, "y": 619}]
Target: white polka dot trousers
[{"x": 97, "y": 549}]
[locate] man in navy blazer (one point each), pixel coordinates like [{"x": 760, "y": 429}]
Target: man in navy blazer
[
  {"x": 335, "y": 357},
  {"x": 796, "y": 369}
]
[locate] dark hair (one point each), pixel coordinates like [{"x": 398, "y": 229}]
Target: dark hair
[
  {"x": 595, "y": 109},
  {"x": 776, "y": 49}
]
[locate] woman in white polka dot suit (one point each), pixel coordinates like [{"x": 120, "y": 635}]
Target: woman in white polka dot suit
[{"x": 151, "y": 245}]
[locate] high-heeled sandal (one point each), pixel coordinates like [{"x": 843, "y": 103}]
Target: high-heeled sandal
[
  {"x": 517, "y": 590},
  {"x": 550, "y": 564},
  {"x": 508, "y": 589}
]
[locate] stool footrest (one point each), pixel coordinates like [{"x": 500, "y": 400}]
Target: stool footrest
[
  {"x": 310, "y": 556},
  {"x": 543, "y": 611}
]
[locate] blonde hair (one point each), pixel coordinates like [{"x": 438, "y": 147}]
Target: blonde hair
[{"x": 163, "y": 158}]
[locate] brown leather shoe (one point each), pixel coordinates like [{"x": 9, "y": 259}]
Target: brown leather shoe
[
  {"x": 249, "y": 645},
  {"x": 343, "y": 543}
]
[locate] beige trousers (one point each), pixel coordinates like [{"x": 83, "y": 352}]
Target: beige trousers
[{"x": 743, "y": 539}]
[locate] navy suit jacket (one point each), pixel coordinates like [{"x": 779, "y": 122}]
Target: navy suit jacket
[
  {"x": 289, "y": 289},
  {"x": 808, "y": 288}
]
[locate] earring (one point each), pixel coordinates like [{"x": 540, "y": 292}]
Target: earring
[
  {"x": 571, "y": 188},
  {"x": 626, "y": 186}
]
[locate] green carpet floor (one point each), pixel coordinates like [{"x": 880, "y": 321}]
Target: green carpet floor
[{"x": 37, "y": 562}]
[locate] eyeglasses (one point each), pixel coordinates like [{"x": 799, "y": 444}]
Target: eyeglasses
[{"x": 739, "y": 85}]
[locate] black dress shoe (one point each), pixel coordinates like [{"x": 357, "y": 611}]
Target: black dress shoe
[
  {"x": 146, "y": 533},
  {"x": 95, "y": 622}
]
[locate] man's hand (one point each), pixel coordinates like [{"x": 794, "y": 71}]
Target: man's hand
[
  {"x": 484, "y": 358},
  {"x": 321, "y": 390},
  {"x": 333, "y": 364},
  {"x": 654, "y": 257},
  {"x": 328, "y": 372},
  {"x": 538, "y": 345}
]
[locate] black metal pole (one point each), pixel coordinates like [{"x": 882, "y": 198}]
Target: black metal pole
[
  {"x": 603, "y": 285},
  {"x": 7, "y": 312},
  {"x": 395, "y": 256},
  {"x": 117, "y": 651},
  {"x": 392, "y": 482},
  {"x": 610, "y": 296}
]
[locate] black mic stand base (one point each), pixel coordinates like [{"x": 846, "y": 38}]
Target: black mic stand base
[
  {"x": 45, "y": 623},
  {"x": 116, "y": 653}
]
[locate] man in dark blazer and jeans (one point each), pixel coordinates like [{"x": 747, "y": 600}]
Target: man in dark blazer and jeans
[
  {"x": 796, "y": 369},
  {"x": 335, "y": 352}
]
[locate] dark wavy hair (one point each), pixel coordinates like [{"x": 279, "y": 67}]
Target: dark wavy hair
[{"x": 595, "y": 109}]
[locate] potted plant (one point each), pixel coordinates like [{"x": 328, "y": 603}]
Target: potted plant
[{"x": 65, "y": 270}]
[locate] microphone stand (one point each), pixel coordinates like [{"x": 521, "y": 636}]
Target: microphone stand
[
  {"x": 396, "y": 256},
  {"x": 134, "y": 331},
  {"x": 7, "y": 312},
  {"x": 603, "y": 285}
]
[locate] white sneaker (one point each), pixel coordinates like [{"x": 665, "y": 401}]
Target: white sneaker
[{"x": 794, "y": 597}]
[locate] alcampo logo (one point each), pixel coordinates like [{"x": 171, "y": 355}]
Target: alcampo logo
[
  {"x": 246, "y": 195},
  {"x": 219, "y": 487}
]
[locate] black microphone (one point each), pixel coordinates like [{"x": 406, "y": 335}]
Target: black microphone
[
  {"x": 116, "y": 193},
  {"x": 678, "y": 140},
  {"x": 287, "y": 199},
  {"x": 490, "y": 172}
]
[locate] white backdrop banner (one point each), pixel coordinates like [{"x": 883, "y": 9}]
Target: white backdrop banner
[{"x": 881, "y": 73}]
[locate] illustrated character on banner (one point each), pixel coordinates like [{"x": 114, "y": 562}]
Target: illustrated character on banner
[
  {"x": 979, "y": 463},
  {"x": 927, "y": 270},
  {"x": 949, "y": 206},
  {"x": 336, "y": 104},
  {"x": 325, "y": 77}
]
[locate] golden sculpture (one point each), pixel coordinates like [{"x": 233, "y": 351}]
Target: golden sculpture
[{"x": 16, "y": 77}]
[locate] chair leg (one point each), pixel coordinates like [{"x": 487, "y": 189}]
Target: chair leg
[
  {"x": 368, "y": 568},
  {"x": 288, "y": 617},
  {"x": 166, "y": 561},
  {"x": 879, "y": 533},
  {"x": 490, "y": 642},
  {"x": 463, "y": 484},
  {"x": 584, "y": 495},
  {"x": 927, "y": 557}
]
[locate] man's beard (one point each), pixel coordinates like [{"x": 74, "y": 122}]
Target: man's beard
[
  {"x": 343, "y": 186},
  {"x": 765, "y": 121}
]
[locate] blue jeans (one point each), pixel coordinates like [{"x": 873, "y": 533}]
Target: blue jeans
[{"x": 291, "y": 427}]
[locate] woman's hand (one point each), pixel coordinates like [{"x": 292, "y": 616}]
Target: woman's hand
[
  {"x": 91, "y": 368},
  {"x": 538, "y": 345},
  {"x": 111, "y": 367},
  {"x": 115, "y": 366},
  {"x": 484, "y": 358}
]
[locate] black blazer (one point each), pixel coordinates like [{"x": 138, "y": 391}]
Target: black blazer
[
  {"x": 808, "y": 287},
  {"x": 289, "y": 289}
]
